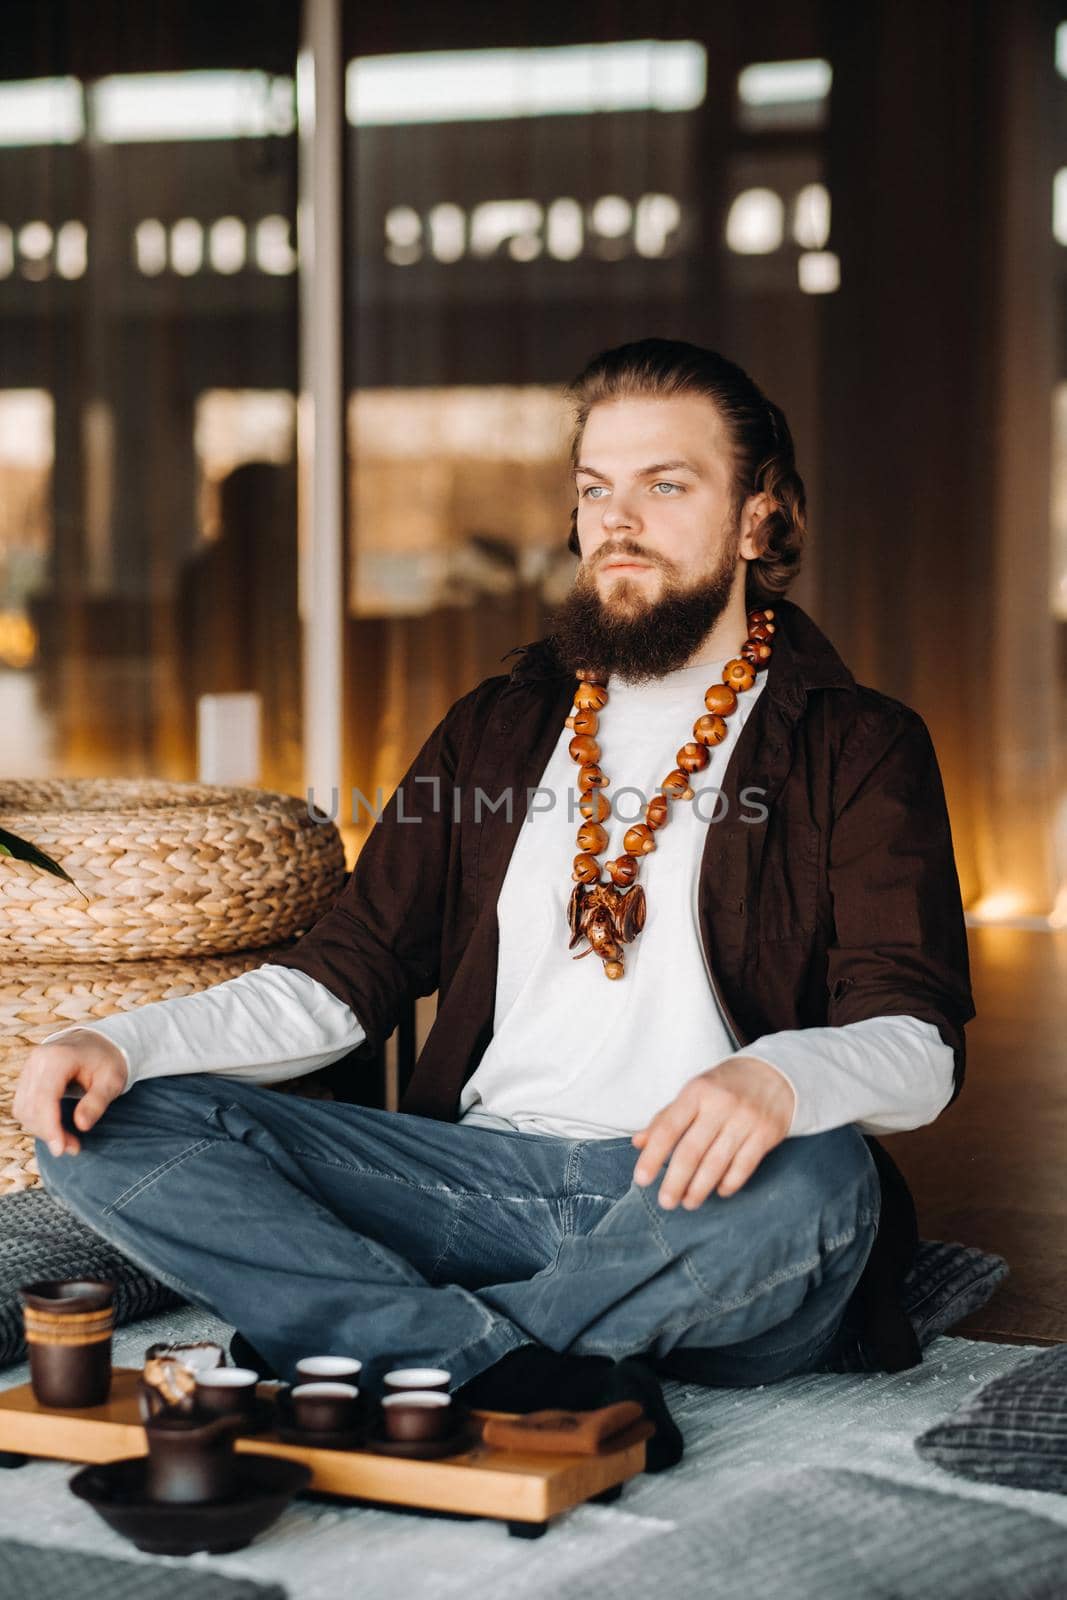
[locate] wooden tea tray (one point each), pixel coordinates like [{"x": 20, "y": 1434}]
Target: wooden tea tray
[{"x": 523, "y": 1489}]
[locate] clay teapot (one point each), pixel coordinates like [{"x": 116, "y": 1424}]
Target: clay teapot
[{"x": 190, "y": 1460}]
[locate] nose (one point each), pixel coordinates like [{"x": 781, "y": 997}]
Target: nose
[{"x": 618, "y": 514}]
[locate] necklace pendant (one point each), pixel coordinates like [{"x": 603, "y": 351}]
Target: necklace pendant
[{"x": 607, "y": 918}]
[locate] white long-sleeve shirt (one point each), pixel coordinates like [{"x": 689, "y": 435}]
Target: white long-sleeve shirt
[{"x": 573, "y": 1053}]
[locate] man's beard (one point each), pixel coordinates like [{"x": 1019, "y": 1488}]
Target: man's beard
[{"x": 650, "y": 637}]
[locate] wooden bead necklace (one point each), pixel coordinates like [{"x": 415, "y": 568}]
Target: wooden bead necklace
[{"x": 611, "y": 913}]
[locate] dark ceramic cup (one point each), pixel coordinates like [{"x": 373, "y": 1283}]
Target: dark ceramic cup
[
  {"x": 402, "y": 1380},
  {"x": 325, "y": 1407},
  {"x": 227, "y": 1391},
  {"x": 191, "y": 1461},
  {"x": 69, "y": 1323},
  {"x": 418, "y": 1416}
]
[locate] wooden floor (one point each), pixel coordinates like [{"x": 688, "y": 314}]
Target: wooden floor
[{"x": 992, "y": 1171}]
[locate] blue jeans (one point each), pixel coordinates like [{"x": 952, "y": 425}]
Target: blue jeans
[{"x": 317, "y": 1227}]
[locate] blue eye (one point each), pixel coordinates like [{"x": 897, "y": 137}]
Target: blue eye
[
  {"x": 592, "y": 489},
  {"x": 666, "y": 485}
]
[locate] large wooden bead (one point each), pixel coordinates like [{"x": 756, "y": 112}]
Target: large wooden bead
[
  {"x": 721, "y": 700},
  {"x": 658, "y": 811},
  {"x": 638, "y": 840},
  {"x": 761, "y": 630},
  {"x": 613, "y": 969},
  {"x": 693, "y": 757},
  {"x": 755, "y": 651},
  {"x": 710, "y": 729},
  {"x": 590, "y": 697},
  {"x": 595, "y": 806},
  {"x": 761, "y": 614},
  {"x": 622, "y": 871},
  {"x": 583, "y": 722},
  {"x": 738, "y": 674},
  {"x": 586, "y": 869},
  {"x": 592, "y": 837},
  {"x": 584, "y": 749},
  {"x": 591, "y": 675},
  {"x": 591, "y": 777},
  {"x": 676, "y": 784}
]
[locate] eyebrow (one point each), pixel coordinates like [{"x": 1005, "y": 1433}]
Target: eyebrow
[{"x": 645, "y": 472}]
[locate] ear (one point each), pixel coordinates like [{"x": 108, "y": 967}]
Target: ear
[
  {"x": 754, "y": 511},
  {"x": 572, "y": 542}
]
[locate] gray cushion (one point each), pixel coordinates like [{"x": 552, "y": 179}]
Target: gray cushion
[
  {"x": 41, "y": 1239},
  {"x": 1013, "y": 1431},
  {"x": 946, "y": 1283},
  {"x": 823, "y": 1533},
  {"x": 34, "y": 1572}
]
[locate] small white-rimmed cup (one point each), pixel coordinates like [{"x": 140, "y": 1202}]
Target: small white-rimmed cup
[
  {"x": 223, "y": 1391},
  {"x": 326, "y": 1407},
  {"x": 402, "y": 1380},
  {"x": 342, "y": 1369},
  {"x": 417, "y": 1416}
]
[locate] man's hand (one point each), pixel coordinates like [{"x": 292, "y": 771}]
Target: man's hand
[
  {"x": 720, "y": 1127},
  {"x": 83, "y": 1058}
]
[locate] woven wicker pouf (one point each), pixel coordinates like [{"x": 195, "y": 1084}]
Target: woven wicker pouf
[
  {"x": 40, "y": 997},
  {"x": 168, "y": 869},
  {"x": 184, "y": 885}
]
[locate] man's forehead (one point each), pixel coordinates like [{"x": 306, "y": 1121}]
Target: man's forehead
[
  {"x": 641, "y": 432},
  {"x": 644, "y": 443}
]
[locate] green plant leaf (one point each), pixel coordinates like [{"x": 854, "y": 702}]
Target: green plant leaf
[{"x": 23, "y": 850}]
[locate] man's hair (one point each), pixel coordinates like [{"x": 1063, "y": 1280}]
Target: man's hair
[{"x": 758, "y": 433}]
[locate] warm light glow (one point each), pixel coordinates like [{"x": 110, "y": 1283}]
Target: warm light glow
[
  {"x": 478, "y": 85},
  {"x": 1058, "y": 541},
  {"x": 187, "y": 247},
  {"x": 811, "y": 216},
  {"x": 1057, "y": 917},
  {"x": 819, "y": 272},
  {"x": 1003, "y": 906},
  {"x": 755, "y": 222},
  {"x": 27, "y": 428},
  {"x": 778, "y": 83},
  {"x": 1059, "y": 206},
  {"x": 783, "y": 95},
  {"x": 274, "y": 251},
  {"x": 41, "y": 111},
  {"x": 136, "y": 108},
  {"x": 35, "y": 250},
  {"x": 150, "y": 247},
  {"x": 72, "y": 250},
  {"x": 227, "y": 245},
  {"x": 18, "y": 639}
]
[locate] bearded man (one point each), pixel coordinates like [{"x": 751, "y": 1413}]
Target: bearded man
[{"x": 686, "y": 893}]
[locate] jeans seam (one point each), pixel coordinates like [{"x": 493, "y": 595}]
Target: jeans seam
[
  {"x": 682, "y": 1257},
  {"x": 154, "y": 1176},
  {"x": 445, "y": 1248},
  {"x": 418, "y": 1188},
  {"x": 493, "y": 1323},
  {"x": 177, "y": 1284},
  {"x": 571, "y": 1179},
  {"x": 786, "y": 1275}
]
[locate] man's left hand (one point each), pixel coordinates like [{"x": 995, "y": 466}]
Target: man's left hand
[{"x": 720, "y": 1127}]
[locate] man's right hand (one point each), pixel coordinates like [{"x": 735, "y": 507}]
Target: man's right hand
[{"x": 80, "y": 1057}]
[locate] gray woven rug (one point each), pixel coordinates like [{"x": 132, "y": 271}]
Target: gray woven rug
[
  {"x": 747, "y": 1453},
  {"x": 30, "y": 1572}
]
